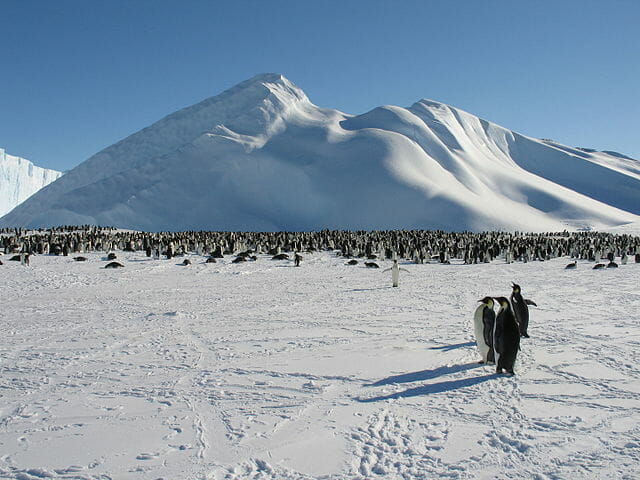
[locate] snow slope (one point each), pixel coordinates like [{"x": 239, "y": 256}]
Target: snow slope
[
  {"x": 263, "y": 371},
  {"x": 261, "y": 156},
  {"x": 19, "y": 179}
]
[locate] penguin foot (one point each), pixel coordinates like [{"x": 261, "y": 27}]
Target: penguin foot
[{"x": 525, "y": 335}]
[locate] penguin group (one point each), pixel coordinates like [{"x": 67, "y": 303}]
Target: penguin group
[
  {"x": 414, "y": 246},
  {"x": 498, "y": 335},
  {"x": 417, "y": 246}
]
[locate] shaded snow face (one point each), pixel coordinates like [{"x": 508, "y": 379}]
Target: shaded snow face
[
  {"x": 261, "y": 156},
  {"x": 19, "y": 179}
]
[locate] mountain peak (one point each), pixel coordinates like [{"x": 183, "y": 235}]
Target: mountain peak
[
  {"x": 269, "y": 77},
  {"x": 264, "y": 84}
]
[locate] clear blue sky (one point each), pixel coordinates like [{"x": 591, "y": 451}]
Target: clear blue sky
[{"x": 77, "y": 76}]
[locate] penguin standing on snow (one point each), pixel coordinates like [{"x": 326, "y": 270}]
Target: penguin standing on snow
[
  {"x": 483, "y": 325},
  {"x": 506, "y": 337},
  {"x": 395, "y": 273},
  {"x": 521, "y": 309}
]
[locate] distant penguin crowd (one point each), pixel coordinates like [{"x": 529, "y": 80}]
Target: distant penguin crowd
[{"x": 414, "y": 246}]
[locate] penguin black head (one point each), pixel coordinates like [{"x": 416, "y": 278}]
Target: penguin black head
[
  {"x": 516, "y": 287},
  {"x": 488, "y": 301},
  {"x": 503, "y": 302}
]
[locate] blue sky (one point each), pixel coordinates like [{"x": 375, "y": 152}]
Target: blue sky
[{"x": 78, "y": 76}]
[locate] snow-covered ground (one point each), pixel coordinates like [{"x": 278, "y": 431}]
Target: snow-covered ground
[{"x": 263, "y": 370}]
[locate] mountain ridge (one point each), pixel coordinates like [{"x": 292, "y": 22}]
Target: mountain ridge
[{"x": 262, "y": 156}]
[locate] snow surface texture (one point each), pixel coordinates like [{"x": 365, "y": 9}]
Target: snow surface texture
[
  {"x": 262, "y": 157},
  {"x": 261, "y": 370},
  {"x": 19, "y": 179}
]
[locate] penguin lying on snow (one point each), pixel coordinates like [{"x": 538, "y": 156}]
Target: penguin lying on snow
[
  {"x": 572, "y": 265},
  {"x": 483, "y": 325},
  {"x": 114, "y": 265},
  {"x": 506, "y": 337}
]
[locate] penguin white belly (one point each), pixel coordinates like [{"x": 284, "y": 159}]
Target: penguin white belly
[
  {"x": 478, "y": 330},
  {"x": 395, "y": 276},
  {"x": 496, "y": 354}
]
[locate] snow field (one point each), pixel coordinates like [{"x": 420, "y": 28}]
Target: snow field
[{"x": 266, "y": 371}]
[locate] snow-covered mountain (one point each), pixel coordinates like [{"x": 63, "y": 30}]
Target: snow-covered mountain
[
  {"x": 19, "y": 179},
  {"x": 261, "y": 156}
]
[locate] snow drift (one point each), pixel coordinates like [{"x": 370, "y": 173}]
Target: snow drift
[
  {"x": 19, "y": 179},
  {"x": 261, "y": 156}
]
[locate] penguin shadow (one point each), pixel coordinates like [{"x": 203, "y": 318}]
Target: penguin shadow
[
  {"x": 367, "y": 289},
  {"x": 432, "y": 388},
  {"x": 424, "y": 374},
  {"x": 446, "y": 348}
]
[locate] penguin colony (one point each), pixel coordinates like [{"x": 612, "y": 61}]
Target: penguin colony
[{"x": 417, "y": 246}]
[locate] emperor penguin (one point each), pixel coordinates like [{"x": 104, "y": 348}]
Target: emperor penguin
[
  {"x": 506, "y": 337},
  {"x": 395, "y": 272},
  {"x": 521, "y": 309},
  {"x": 483, "y": 325}
]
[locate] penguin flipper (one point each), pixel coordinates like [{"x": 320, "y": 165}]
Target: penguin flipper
[
  {"x": 530, "y": 302},
  {"x": 387, "y": 270}
]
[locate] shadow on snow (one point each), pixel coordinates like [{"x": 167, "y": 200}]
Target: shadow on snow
[
  {"x": 432, "y": 388},
  {"x": 424, "y": 374},
  {"x": 446, "y": 348},
  {"x": 367, "y": 289}
]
